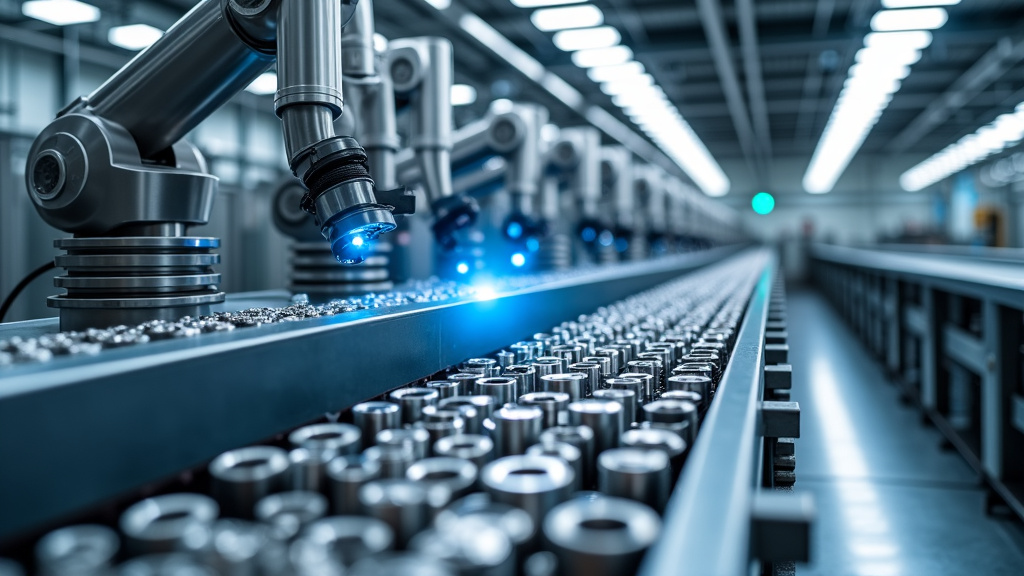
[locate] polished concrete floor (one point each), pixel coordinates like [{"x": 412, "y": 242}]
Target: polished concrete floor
[{"x": 891, "y": 501}]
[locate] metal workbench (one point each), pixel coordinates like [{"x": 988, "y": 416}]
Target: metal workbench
[{"x": 948, "y": 330}]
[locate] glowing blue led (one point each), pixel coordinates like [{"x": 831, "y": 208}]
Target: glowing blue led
[
  {"x": 606, "y": 238},
  {"x": 485, "y": 292},
  {"x": 588, "y": 234},
  {"x": 514, "y": 230},
  {"x": 518, "y": 260},
  {"x": 533, "y": 244},
  {"x": 763, "y": 203},
  {"x": 358, "y": 241},
  {"x": 462, "y": 268}
]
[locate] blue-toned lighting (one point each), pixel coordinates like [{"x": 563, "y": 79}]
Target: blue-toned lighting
[
  {"x": 518, "y": 259},
  {"x": 514, "y": 230},
  {"x": 621, "y": 244},
  {"x": 533, "y": 244},
  {"x": 763, "y": 203},
  {"x": 462, "y": 268},
  {"x": 485, "y": 292},
  {"x": 588, "y": 234},
  {"x": 358, "y": 241},
  {"x": 606, "y": 238}
]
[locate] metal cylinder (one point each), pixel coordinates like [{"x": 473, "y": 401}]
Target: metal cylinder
[
  {"x": 641, "y": 475},
  {"x": 400, "y": 503},
  {"x": 349, "y": 539},
  {"x": 635, "y": 385},
  {"x": 394, "y": 459},
  {"x": 553, "y": 404},
  {"x": 657, "y": 439},
  {"x": 673, "y": 355},
  {"x": 615, "y": 358},
  {"x": 444, "y": 388},
  {"x": 239, "y": 478},
  {"x": 572, "y": 456},
  {"x": 347, "y": 476},
  {"x": 505, "y": 359},
  {"x": 439, "y": 428},
  {"x": 524, "y": 352},
  {"x": 411, "y": 402},
  {"x": 647, "y": 385},
  {"x": 652, "y": 367},
  {"x": 470, "y": 545},
  {"x": 474, "y": 448},
  {"x": 82, "y": 550},
  {"x": 604, "y": 537},
  {"x": 163, "y": 523},
  {"x": 572, "y": 353},
  {"x": 307, "y": 76},
  {"x": 705, "y": 369},
  {"x": 482, "y": 407},
  {"x": 404, "y": 563},
  {"x": 625, "y": 397},
  {"x": 604, "y": 417},
  {"x": 289, "y": 512},
  {"x": 534, "y": 483},
  {"x": 693, "y": 383},
  {"x": 687, "y": 395},
  {"x": 662, "y": 357},
  {"x": 417, "y": 439},
  {"x": 466, "y": 382},
  {"x": 526, "y": 377},
  {"x": 485, "y": 367},
  {"x": 582, "y": 437},
  {"x": 334, "y": 438},
  {"x": 675, "y": 412},
  {"x": 593, "y": 372},
  {"x": 605, "y": 363},
  {"x": 514, "y": 428},
  {"x": 372, "y": 417},
  {"x": 307, "y": 470},
  {"x": 239, "y": 546},
  {"x": 502, "y": 388},
  {"x": 550, "y": 365},
  {"x": 457, "y": 475},
  {"x": 572, "y": 383},
  {"x": 514, "y": 521}
]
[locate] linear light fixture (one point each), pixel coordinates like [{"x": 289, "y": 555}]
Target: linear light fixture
[
  {"x": 880, "y": 67},
  {"x": 566, "y": 17},
  {"x": 587, "y": 38},
  {"x": 615, "y": 72},
  {"x": 602, "y": 56},
  {"x": 134, "y": 37},
  {"x": 912, "y": 19},
  {"x": 540, "y": 3},
  {"x": 917, "y": 3},
  {"x": 628, "y": 85},
  {"x": 61, "y": 12},
  {"x": 992, "y": 138},
  {"x": 264, "y": 84},
  {"x": 463, "y": 94}
]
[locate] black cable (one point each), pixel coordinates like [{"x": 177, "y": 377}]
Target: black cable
[{"x": 21, "y": 286}]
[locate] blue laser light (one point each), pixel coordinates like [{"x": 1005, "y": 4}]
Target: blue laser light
[{"x": 518, "y": 260}]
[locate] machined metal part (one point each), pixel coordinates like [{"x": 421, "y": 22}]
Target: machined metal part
[
  {"x": 441, "y": 423},
  {"x": 641, "y": 475},
  {"x": 647, "y": 385},
  {"x": 417, "y": 440},
  {"x": 582, "y": 437},
  {"x": 593, "y": 372},
  {"x": 604, "y": 417},
  {"x": 83, "y": 549},
  {"x": 171, "y": 563},
  {"x": 168, "y": 523},
  {"x": 458, "y": 475},
  {"x": 469, "y": 544},
  {"x": 572, "y": 455},
  {"x": 349, "y": 539},
  {"x": 672, "y": 352},
  {"x": 334, "y": 438},
  {"x": 307, "y": 469},
  {"x": 615, "y": 356},
  {"x": 605, "y": 363},
  {"x": 553, "y": 404},
  {"x": 571, "y": 353},
  {"x": 603, "y": 537},
  {"x": 705, "y": 369},
  {"x": 411, "y": 402},
  {"x": 534, "y": 483},
  {"x": 652, "y": 367},
  {"x": 674, "y": 412},
  {"x": 473, "y": 448},
  {"x": 239, "y": 546},
  {"x": 400, "y": 503},
  {"x": 549, "y": 365},
  {"x": 289, "y": 512},
  {"x": 466, "y": 382},
  {"x": 688, "y": 395},
  {"x": 372, "y": 417},
  {"x": 657, "y": 439},
  {"x": 482, "y": 406},
  {"x": 525, "y": 375},
  {"x": 572, "y": 383},
  {"x": 693, "y": 383},
  {"x": 502, "y": 388},
  {"x": 626, "y": 397},
  {"x": 347, "y": 476},
  {"x": 485, "y": 367},
  {"x": 404, "y": 563},
  {"x": 444, "y": 388},
  {"x": 514, "y": 428},
  {"x": 241, "y": 477},
  {"x": 512, "y": 520},
  {"x": 505, "y": 359}
]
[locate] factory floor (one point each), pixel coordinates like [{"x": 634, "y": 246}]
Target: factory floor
[{"x": 890, "y": 499}]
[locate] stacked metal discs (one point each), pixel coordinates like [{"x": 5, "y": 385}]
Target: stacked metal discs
[{"x": 558, "y": 453}]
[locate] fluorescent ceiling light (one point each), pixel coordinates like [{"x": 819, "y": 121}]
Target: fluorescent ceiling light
[
  {"x": 265, "y": 83},
  {"x": 587, "y": 38},
  {"x": 913, "y": 39},
  {"x": 134, "y": 36},
  {"x": 913, "y": 19},
  {"x": 917, "y": 3},
  {"x": 61, "y": 12},
  {"x": 616, "y": 72},
  {"x": 439, "y": 4},
  {"x": 582, "y": 16},
  {"x": 539, "y": 3},
  {"x": 992, "y": 138},
  {"x": 602, "y": 56},
  {"x": 463, "y": 94},
  {"x": 640, "y": 83}
]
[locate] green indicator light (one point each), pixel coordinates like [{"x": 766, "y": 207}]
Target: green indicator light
[{"x": 762, "y": 203}]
